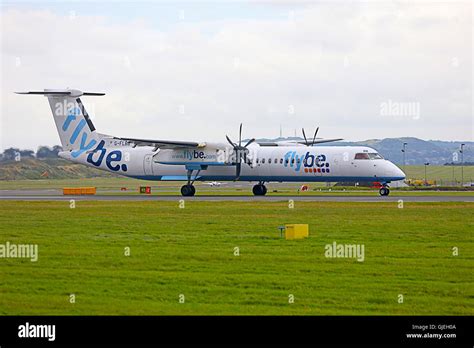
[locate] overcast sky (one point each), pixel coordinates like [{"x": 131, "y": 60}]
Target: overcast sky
[{"x": 195, "y": 70}]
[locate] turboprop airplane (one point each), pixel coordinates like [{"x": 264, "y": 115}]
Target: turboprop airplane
[{"x": 169, "y": 160}]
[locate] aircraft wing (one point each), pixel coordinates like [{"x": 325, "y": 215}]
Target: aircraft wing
[
  {"x": 292, "y": 143},
  {"x": 267, "y": 143},
  {"x": 168, "y": 144},
  {"x": 320, "y": 141}
]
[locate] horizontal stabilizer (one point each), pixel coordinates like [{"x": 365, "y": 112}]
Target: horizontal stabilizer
[{"x": 66, "y": 92}]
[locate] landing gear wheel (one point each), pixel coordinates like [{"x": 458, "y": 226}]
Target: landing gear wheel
[
  {"x": 259, "y": 190},
  {"x": 384, "y": 191},
  {"x": 188, "y": 190}
]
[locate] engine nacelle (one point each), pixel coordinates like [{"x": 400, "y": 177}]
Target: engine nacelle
[{"x": 185, "y": 156}]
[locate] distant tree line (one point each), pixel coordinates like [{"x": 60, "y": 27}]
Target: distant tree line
[
  {"x": 459, "y": 164},
  {"x": 13, "y": 153}
]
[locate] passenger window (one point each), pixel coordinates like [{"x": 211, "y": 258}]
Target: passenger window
[
  {"x": 281, "y": 160},
  {"x": 269, "y": 161},
  {"x": 263, "y": 160}
]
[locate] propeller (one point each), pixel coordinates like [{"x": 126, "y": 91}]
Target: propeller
[
  {"x": 314, "y": 137},
  {"x": 240, "y": 151}
]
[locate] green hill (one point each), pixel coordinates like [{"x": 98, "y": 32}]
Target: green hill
[{"x": 52, "y": 168}]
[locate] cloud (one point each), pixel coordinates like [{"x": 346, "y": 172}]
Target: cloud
[{"x": 328, "y": 65}]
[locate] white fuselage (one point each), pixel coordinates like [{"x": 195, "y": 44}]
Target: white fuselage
[{"x": 297, "y": 163}]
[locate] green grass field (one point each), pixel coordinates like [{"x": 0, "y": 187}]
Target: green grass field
[
  {"x": 190, "y": 251},
  {"x": 111, "y": 186},
  {"x": 440, "y": 173}
]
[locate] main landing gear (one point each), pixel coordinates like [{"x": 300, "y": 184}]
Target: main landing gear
[
  {"x": 189, "y": 190},
  {"x": 384, "y": 191},
  {"x": 259, "y": 189}
]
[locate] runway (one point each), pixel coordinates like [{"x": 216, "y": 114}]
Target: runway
[{"x": 53, "y": 195}]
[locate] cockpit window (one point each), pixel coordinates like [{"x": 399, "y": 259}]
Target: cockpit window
[
  {"x": 375, "y": 156},
  {"x": 366, "y": 156},
  {"x": 361, "y": 156}
]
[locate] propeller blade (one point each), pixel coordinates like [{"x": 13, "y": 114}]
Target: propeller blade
[
  {"x": 240, "y": 151},
  {"x": 315, "y": 133},
  {"x": 304, "y": 136},
  {"x": 230, "y": 142},
  {"x": 238, "y": 167},
  {"x": 240, "y": 135},
  {"x": 249, "y": 142}
]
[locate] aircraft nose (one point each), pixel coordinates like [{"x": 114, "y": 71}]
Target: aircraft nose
[{"x": 397, "y": 172}]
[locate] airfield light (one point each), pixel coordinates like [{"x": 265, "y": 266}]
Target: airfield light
[
  {"x": 462, "y": 164},
  {"x": 404, "y": 150},
  {"x": 454, "y": 180},
  {"x": 426, "y": 165}
]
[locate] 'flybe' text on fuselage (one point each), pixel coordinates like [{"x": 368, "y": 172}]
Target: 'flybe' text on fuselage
[{"x": 307, "y": 160}]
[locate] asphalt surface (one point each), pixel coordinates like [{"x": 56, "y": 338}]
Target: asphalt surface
[{"x": 55, "y": 195}]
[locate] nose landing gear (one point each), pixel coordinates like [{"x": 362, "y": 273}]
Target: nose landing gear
[
  {"x": 259, "y": 189},
  {"x": 384, "y": 191}
]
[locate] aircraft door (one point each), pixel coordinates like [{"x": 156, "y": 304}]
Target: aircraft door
[
  {"x": 338, "y": 162},
  {"x": 148, "y": 164}
]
